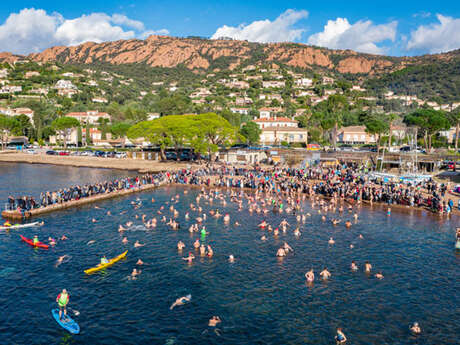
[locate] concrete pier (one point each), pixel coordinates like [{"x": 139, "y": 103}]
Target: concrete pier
[{"x": 74, "y": 203}]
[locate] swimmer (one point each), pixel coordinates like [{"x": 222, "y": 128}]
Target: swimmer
[
  {"x": 323, "y": 218},
  {"x": 180, "y": 301},
  {"x": 196, "y": 244},
  {"x": 263, "y": 238},
  {"x": 61, "y": 259},
  {"x": 379, "y": 275},
  {"x": 367, "y": 267},
  {"x": 281, "y": 252},
  {"x": 231, "y": 258},
  {"x": 348, "y": 224},
  {"x": 52, "y": 241},
  {"x": 64, "y": 237},
  {"x": 137, "y": 244},
  {"x": 310, "y": 276},
  {"x": 325, "y": 274},
  {"x": 139, "y": 262},
  {"x": 180, "y": 245},
  {"x": 353, "y": 266},
  {"x": 210, "y": 251},
  {"x": 128, "y": 224},
  {"x": 202, "y": 250},
  {"x": 415, "y": 328},
  {"x": 94, "y": 220},
  {"x": 361, "y": 236},
  {"x": 121, "y": 228},
  {"x": 237, "y": 224},
  {"x": 351, "y": 246},
  {"x": 335, "y": 221},
  {"x": 124, "y": 240},
  {"x": 135, "y": 273},
  {"x": 340, "y": 338},
  {"x": 90, "y": 242},
  {"x": 297, "y": 232},
  {"x": 331, "y": 241},
  {"x": 287, "y": 248},
  {"x": 355, "y": 216},
  {"x": 214, "y": 321},
  {"x": 389, "y": 211},
  {"x": 189, "y": 258},
  {"x": 109, "y": 213}
]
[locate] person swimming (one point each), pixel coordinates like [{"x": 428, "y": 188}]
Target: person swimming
[
  {"x": 180, "y": 301},
  {"x": 325, "y": 274},
  {"x": 415, "y": 328},
  {"x": 137, "y": 244},
  {"x": 353, "y": 266},
  {"x": 189, "y": 258},
  {"x": 135, "y": 273},
  {"x": 310, "y": 276},
  {"x": 340, "y": 337}
]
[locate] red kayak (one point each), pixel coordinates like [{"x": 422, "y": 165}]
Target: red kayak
[{"x": 31, "y": 242}]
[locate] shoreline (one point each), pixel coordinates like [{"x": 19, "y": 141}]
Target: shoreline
[{"x": 128, "y": 164}]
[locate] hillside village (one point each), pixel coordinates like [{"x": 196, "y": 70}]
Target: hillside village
[{"x": 285, "y": 103}]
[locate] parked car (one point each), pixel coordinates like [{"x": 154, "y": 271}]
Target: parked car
[
  {"x": 64, "y": 153},
  {"x": 171, "y": 156},
  {"x": 99, "y": 153},
  {"x": 313, "y": 147},
  {"x": 120, "y": 155},
  {"x": 31, "y": 152},
  {"x": 51, "y": 152}
]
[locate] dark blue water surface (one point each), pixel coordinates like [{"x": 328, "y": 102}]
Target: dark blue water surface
[{"x": 260, "y": 299}]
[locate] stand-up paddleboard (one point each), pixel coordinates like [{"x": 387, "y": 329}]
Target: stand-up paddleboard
[
  {"x": 67, "y": 322},
  {"x": 20, "y": 226}
]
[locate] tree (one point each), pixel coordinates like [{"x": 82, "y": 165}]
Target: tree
[
  {"x": 79, "y": 136},
  {"x": 87, "y": 134},
  {"x": 23, "y": 126},
  {"x": 454, "y": 117},
  {"x": 64, "y": 125},
  {"x": 391, "y": 118},
  {"x": 429, "y": 121},
  {"x": 103, "y": 127},
  {"x": 376, "y": 126},
  {"x": 251, "y": 132},
  {"x": 212, "y": 131},
  {"x": 7, "y": 124},
  {"x": 119, "y": 130}
]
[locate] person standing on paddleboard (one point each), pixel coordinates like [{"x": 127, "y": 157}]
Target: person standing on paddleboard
[{"x": 62, "y": 300}]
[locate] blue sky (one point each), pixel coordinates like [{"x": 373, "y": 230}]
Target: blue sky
[{"x": 395, "y": 28}]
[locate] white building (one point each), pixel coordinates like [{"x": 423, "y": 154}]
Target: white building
[
  {"x": 90, "y": 117},
  {"x": 242, "y": 111},
  {"x": 304, "y": 82},
  {"x": 64, "y": 84}
]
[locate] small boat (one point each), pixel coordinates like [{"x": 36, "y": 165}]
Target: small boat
[
  {"x": 31, "y": 243},
  {"x": 20, "y": 226},
  {"x": 110, "y": 263}
]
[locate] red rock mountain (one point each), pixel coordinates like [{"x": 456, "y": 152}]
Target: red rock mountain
[{"x": 205, "y": 54}]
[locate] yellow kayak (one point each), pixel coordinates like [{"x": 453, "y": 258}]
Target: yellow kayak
[{"x": 110, "y": 263}]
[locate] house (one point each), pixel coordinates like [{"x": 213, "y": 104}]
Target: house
[
  {"x": 40, "y": 91},
  {"x": 99, "y": 100},
  {"x": 18, "y": 111},
  {"x": 3, "y": 73},
  {"x": 355, "y": 135},
  {"x": 449, "y": 134},
  {"x": 330, "y": 92},
  {"x": 281, "y": 122},
  {"x": 304, "y": 82},
  {"x": 358, "y": 88},
  {"x": 275, "y": 135},
  {"x": 327, "y": 80},
  {"x": 242, "y": 111},
  {"x": 11, "y": 89},
  {"x": 64, "y": 84},
  {"x": 266, "y": 113},
  {"x": 90, "y": 117},
  {"x": 273, "y": 84},
  {"x": 67, "y": 92},
  {"x": 30, "y": 74},
  {"x": 153, "y": 116},
  {"x": 243, "y": 101}
]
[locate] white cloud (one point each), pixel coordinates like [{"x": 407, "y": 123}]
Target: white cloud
[
  {"x": 436, "y": 37},
  {"x": 148, "y": 33},
  {"x": 361, "y": 36},
  {"x": 32, "y": 30},
  {"x": 279, "y": 30}
]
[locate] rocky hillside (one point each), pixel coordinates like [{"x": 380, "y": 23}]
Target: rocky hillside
[{"x": 205, "y": 54}]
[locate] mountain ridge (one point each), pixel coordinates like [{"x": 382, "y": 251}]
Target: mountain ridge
[{"x": 211, "y": 55}]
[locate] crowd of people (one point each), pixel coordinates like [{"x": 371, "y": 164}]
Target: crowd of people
[{"x": 346, "y": 181}]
